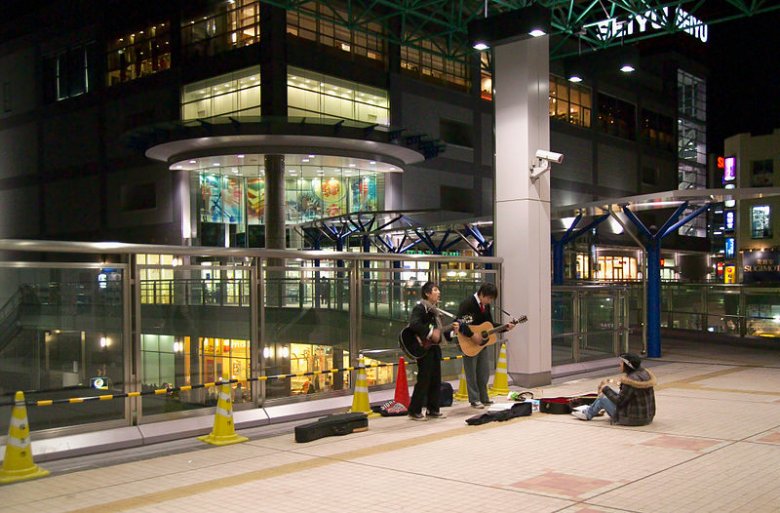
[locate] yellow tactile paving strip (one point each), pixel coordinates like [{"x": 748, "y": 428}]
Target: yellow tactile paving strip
[{"x": 702, "y": 453}]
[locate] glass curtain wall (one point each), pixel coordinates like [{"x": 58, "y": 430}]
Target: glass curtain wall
[
  {"x": 332, "y": 26},
  {"x": 311, "y": 94},
  {"x": 569, "y": 102},
  {"x": 225, "y": 26},
  {"x": 432, "y": 58},
  {"x": 138, "y": 54},
  {"x": 692, "y": 143},
  {"x": 236, "y": 93}
]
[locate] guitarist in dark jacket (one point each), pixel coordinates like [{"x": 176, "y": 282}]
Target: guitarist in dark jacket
[
  {"x": 477, "y": 368},
  {"x": 426, "y": 323}
]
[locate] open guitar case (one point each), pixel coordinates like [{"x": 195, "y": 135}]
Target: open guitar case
[{"x": 564, "y": 405}]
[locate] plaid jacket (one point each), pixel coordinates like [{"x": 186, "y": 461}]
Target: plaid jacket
[{"x": 636, "y": 399}]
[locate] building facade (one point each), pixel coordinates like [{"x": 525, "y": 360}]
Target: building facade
[
  {"x": 83, "y": 83},
  {"x": 750, "y": 227}
]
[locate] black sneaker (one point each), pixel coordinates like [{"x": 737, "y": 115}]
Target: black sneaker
[
  {"x": 436, "y": 415},
  {"x": 488, "y": 402},
  {"x": 416, "y": 416}
]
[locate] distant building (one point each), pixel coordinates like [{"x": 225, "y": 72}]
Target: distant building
[
  {"x": 89, "y": 87},
  {"x": 751, "y": 228}
]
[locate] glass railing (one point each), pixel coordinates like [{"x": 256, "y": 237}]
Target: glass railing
[
  {"x": 74, "y": 326},
  {"x": 740, "y": 311},
  {"x": 589, "y": 322}
]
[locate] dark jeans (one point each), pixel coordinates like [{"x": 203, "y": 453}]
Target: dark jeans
[{"x": 426, "y": 390}]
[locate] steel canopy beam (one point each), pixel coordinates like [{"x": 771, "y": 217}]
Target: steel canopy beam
[{"x": 590, "y": 25}]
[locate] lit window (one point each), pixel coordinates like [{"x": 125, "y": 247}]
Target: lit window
[{"x": 761, "y": 222}]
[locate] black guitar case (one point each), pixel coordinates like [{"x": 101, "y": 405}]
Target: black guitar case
[{"x": 332, "y": 425}]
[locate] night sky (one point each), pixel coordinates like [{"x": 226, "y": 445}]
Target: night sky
[{"x": 744, "y": 85}]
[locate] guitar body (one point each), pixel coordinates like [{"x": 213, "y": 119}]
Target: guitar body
[
  {"x": 484, "y": 335},
  {"x": 471, "y": 346},
  {"x": 411, "y": 344},
  {"x": 415, "y": 347}
]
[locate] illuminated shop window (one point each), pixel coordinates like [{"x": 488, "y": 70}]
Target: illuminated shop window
[
  {"x": 226, "y": 26},
  {"x": 486, "y": 76},
  {"x": 138, "y": 54},
  {"x": 326, "y": 25},
  {"x": 760, "y": 222},
  {"x": 155, "y": 275},
  {"x": 616, "y": 268},
  {"x": 311, "y": 94},
  {"x": 224, "y": 358},
  {"x": 311, "y": 193},
  {"x": 433, "y": 59},
  {"x": 158, "y": 361},
  {"x": 572, "y": 103},
  {"x": 582, "y": 267},
  {"x": 235, "y": 93}
]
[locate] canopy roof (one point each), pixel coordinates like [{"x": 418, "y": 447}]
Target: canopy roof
[{"x": 591, "y": 24}]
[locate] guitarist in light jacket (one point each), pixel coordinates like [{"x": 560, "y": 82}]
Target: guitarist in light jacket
[
  {"x": 477, "y": 368},
  {"x": 426, "y": 323}
]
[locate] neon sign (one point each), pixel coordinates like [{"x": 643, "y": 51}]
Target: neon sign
[
  {"x": 730, "y": 169},
  {"x": 655, "y": 20}
]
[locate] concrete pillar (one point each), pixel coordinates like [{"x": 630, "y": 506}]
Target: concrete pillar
[
  {"x": 274, "y": 202},
  {"x": 522, "y": 207}
]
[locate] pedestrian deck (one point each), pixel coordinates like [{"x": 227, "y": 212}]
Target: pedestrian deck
[{"x": 714, "y": 447}]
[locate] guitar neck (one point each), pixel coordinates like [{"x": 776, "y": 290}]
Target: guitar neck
[{"x": 504, "y": 327}]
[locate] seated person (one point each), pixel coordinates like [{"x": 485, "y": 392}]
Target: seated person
[{"x": 634, "y": 404}]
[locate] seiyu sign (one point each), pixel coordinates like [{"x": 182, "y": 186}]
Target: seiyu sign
[{"x": 650, "y": 20}]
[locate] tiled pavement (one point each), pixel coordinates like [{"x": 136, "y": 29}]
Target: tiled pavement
[{"x": 714, "y": 447}]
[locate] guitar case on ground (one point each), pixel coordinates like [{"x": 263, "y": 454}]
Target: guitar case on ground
[{"x": 332, "y": 425}]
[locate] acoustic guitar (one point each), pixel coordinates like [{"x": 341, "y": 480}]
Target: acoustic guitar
[
  {"x": 414, "y": 347},
  {"x": 484, "y": 335}
]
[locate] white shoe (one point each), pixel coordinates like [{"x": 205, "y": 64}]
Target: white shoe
[
  {"x": 580, "y": 414},
  {"x": 478, "y": 405},
  {"x": 580, "y": 408}
]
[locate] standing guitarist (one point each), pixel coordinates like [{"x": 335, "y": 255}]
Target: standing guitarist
[
  {"x": 426, "y": 323},
  {"x": 477, "y": 368}
]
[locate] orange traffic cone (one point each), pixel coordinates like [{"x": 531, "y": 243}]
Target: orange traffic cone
[
  {"x": 401, "y": 384},
  {"x": 18, "y": 462},
  {"x": 224, "y": 432}
]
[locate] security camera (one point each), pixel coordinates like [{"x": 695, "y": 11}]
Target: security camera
[
  {"x": 557, "y": 158},
  {"x": 543, "y": 160}
]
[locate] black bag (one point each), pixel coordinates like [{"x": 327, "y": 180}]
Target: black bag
[
  {"x": 445, "y": 394},
  {"x": 332, "y": 425}
]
